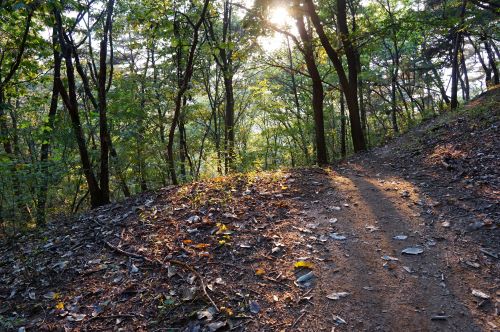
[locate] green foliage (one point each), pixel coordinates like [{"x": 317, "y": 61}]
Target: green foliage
[{"x": 272, "y": 91}]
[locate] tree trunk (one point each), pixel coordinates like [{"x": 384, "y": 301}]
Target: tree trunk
[
  {"x": 182, "y": 143},
  {"x": 317, "y": 91},
  {"x": 493, "y": 65},
  {"x": 181, "y": 90},
  {"x": 297, "y": 103},
  {"x": 229, "y": 120},
  {"x": 487, "y": 70},
  {"x": 454, "y": 58},
  {"x": 104, "y": 137},
  {"x": 466, "y": 87},
  {"x": 349, "y": 86},
  {"x": 47, "y": 134},
  {"x": 71, "y": 102},
  {"x": 343, "y": 150},
  {"x": 394, "y": 104}
]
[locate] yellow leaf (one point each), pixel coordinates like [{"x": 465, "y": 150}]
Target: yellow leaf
[
  {"x": 308, "y": 265},
  {"x": 202, "y": 246},
  {"x": 60, "y": 306},
  {"x": 222, "y": 242},
  {"x": 260, "y": 272},
  {"x": 284, "y": 187},
  {"x": 222, "y": 228},
  {"x": 56, "y": 296},
  {"x": 227, "y": 311}
]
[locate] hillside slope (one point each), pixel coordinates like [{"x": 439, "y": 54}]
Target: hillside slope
[{"x": 405, "y": 237}]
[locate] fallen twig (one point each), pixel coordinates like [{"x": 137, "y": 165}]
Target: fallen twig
[
  {"x": 171, "y": 261},
  {"x": 298, "y": 319}
]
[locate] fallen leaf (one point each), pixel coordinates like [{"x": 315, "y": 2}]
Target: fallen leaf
[
  {"x": 303, "y": 264},
  {"x": 260, "y": 272},
  {"x": 202, "y": 245}
]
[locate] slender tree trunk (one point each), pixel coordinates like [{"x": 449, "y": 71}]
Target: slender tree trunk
[
  {"x": 343, "y": 150},
  {"x": 454, "y": 57},
  {"x": 224, "y": 60},
  {"x": 297, "y": 103},
  {"x": 47, "y": 134},
  {"x": 487, "y": 70},
  {"x": 362, "y": 108},
  {"x": 229, "y": 120},
  {"x": 104, "y": 136},
  {"x": 182, "y": 143},
  {"x": 493, "y": 65},
  {"x": 181, "y": 90},
  {"x": 71, "y": 102},
  {"x": 439, "y": 83},
  {"x": 394, "y": 103},
  {"x": 317, "y": 91},
  {"x": 140, "y": 139},
  {"x": 466, "y": 87},
  {"x": 349, "y": 86}
]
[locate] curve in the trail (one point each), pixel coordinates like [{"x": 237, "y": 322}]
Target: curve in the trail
[{"x": 384, "y": 296}]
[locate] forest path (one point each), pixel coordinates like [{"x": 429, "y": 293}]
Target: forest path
[
  {"x": 423, "y": 292},
  {"x": 251, "y": 238}
]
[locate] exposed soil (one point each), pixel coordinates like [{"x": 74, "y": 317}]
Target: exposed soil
[{"x": 235, "y": 253}]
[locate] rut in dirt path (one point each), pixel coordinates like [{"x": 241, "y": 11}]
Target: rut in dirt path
[{"x": 411, "y": 293}]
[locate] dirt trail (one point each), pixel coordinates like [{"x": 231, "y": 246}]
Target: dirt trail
[
  {"x": 415, "y": 293},
  {"x": 245, "y": 237}
]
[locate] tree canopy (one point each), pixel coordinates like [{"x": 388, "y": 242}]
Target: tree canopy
[{"x": 103, "y": 99}]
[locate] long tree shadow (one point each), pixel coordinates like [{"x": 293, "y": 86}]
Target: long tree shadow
[{"x": 405, "y": 300}]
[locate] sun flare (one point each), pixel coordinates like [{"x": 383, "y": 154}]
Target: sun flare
[{"x": 279, "y": 17}]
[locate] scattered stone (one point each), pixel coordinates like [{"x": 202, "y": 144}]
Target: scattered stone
[
  {"x": 400, "y": 237},
  {"x": 337, "y": 296},
  {"x": 408, "y": 269},
  {"x": 306, "y": 277},
  {"x": 475, "y": 226},
  {"x": 412, "y": 251},
  {"x": 338, "y": 320},
  {"x": 323, "y": 238},
  {"x": 134, "y": 269},
  {"x": 206, "y": 314},
  {"x": 193, "y": 219},
  {"x": 473, "y": 264},
  {"x": 480, "y": 294},
  {"x": 212, "y": 327},
  {"x": 337, "y": 236},
  {"x": 254, "y": 307}
]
